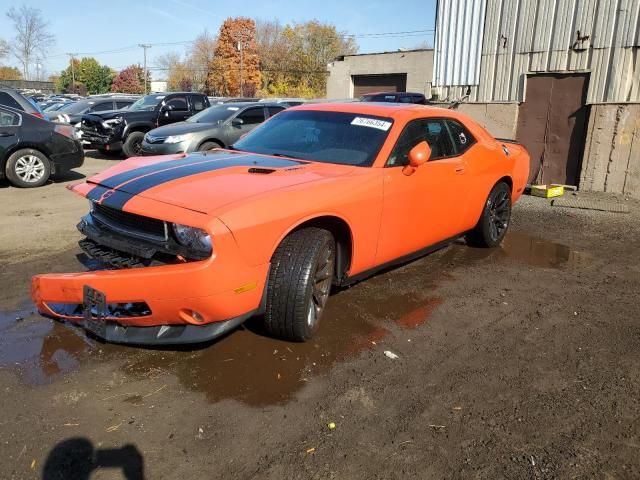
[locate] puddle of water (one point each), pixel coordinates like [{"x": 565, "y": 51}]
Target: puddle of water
[
  {"x": 40, "y": 348},
  {"x": 256, "y": 369},
  {"x": 541, "y": 253}
]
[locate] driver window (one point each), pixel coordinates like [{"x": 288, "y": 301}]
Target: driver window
[
  {"x": 432, "y": 130},
  {"x": 179, "y": 104},
  {"x": 252, "y": 116},
  {"x": 412, "y": 135}
]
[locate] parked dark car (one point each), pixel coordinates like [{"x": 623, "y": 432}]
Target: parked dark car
[
  {"x": 14, "y": 99},
  {"x": 395, "y": 97},
  {"x": 72, "y": 113},
  {"x": 32, "y": 149},
  {"x": 216, "y": 127},
  {"x": 124, "y": 131}
]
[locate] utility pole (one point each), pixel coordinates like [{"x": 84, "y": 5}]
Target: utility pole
[
  {"x": 145, "y": 46},
  {"x": 241, "y": 68},
  {"x": 73, "y": 71}
]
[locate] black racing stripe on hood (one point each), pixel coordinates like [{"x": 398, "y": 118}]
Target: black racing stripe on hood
[
  {"x": 120, "y": 178},
  {"x": 139, "y": 185}
]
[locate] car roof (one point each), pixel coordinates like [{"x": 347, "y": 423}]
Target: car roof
[
  {"x": 247, "y": 104},
  {"x": 381, "y": 109}
]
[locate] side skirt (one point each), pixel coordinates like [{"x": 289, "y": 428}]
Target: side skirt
[{"x": 347, "y": 281}]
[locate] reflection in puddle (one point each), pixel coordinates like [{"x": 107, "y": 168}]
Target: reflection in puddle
[
  {"x": 252, "y": 368},
  {"x": 541, "y": 253}
]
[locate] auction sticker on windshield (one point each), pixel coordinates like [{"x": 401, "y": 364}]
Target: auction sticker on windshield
[{"x": 371, "y": 123}]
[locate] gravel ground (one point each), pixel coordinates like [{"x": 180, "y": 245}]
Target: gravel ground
[{"x": 518, "y": 362}]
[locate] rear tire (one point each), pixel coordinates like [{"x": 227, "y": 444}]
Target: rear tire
[
  {"x": 300, "y": 279},
  {"x": 132, "y": 146},
  {"x": 28, "y": 168},
  {"x": 495, "y": 218},
  {"x": 206, "y": 146}
]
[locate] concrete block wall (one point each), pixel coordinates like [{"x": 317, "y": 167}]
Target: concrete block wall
[
  {"x": 500, "y": 119},
  {"x": 611, "y": 161},
  {"x": 417, "y": 64}
]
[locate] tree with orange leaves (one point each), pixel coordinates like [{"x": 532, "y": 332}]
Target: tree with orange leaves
[{"x": 236, "y": 62}]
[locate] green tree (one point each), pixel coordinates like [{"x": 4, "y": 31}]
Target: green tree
[{"x": 90, "y": 76}]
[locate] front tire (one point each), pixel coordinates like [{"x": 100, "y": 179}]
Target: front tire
[
  {"x": 206, "y": 146},
  {"x": 495, "y": 218},
  {"x": 300, "y": 279},
  {"x": 132, "y": 146},
  {"x": 28, "y": 168}
]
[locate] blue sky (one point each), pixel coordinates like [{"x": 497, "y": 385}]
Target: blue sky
[{"x": 96, "y": 26}]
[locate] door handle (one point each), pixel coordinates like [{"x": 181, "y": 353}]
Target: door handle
[
  {"x": 460, "y": 169},
  {"x": 6, "y": 134}
]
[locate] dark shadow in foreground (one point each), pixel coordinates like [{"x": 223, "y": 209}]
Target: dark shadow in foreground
[{"x": 76, "y": 459}]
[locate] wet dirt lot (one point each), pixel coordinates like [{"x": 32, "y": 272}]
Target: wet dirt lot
[{"x": 519, "y": 362}]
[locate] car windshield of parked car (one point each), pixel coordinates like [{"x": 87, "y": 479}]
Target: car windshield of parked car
[
  {"x": 320, "y": 136},
  {"x": 215, "y": 114},
  {"x": 146, "y": 103}
]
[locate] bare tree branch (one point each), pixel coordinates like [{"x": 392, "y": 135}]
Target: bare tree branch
[{"x": 32, "y": 35}]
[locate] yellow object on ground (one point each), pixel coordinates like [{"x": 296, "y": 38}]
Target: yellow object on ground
[{"x": 547, "y": 191}]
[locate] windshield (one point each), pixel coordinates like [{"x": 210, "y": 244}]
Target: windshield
[
  {"x": 217, "y": 113},
  {"x": 77, "y": 107},
  {"x": 331, "y": 137},
  {"x": 147, "y": 103}
]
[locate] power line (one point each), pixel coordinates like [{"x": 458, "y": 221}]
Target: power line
[{"x": 409, "y": 33}]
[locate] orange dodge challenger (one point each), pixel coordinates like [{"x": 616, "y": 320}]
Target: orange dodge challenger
[{"x": 190, "y": 246}]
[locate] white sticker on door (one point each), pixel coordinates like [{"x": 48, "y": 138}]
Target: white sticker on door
[{"x": 371, "y": 123}]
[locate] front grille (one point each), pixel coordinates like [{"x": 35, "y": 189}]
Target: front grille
[
  {"x": 131, "y": 223},
  {"x": 154, "y": 139}
]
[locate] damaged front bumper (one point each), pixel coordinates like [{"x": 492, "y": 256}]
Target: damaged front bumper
[
  {"x": 100, "y": 134},
  {"x": 151, "y": 301}
]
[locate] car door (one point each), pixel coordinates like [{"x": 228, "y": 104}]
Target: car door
[
  {"x": 174, "y": 109},
  {"x": 244, "y": 122},
  {"x": 423, "y": 207},
  {"x": 9, "y": 131}
]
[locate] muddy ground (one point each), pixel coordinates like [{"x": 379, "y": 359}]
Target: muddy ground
[{"x": 520, "y": 362}]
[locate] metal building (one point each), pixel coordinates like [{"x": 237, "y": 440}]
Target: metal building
[{"x": 561, "y": 76}]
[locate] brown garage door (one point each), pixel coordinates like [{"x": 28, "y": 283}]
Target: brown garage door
[
  {"x": 552, "y": 125},
  {"x": 394, "y": 82}
]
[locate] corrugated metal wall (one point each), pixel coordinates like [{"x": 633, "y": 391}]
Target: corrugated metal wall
[
  {"x": 528, "y": 36},
  {"x": 459, "y": 33}
]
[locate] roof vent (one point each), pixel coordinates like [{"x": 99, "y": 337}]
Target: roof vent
[{"x": 263, "y": 171}]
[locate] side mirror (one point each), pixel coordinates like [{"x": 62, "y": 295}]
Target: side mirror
[
  {"x": 417, "y": 156},
  {"x": 236, "y": 122},
  {"x": 166, "y": 108}
]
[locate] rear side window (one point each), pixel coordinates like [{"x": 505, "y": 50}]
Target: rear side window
[
  {"x": 198, "y": 103},
  {"x": 252, "y": 116},
  {"x": 102, "y": 107},
  {"x": 9, "y": 101},
  {"x": 9, "y": 119},
  {"x": 462, "y": 139},
  {"x": 273, "y": 110},
  {"x": 120, "y": 105}
]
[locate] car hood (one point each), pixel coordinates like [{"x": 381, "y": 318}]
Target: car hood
[
  {"x": 182, "y": 128},
  {"x": 205, "y": 182}
]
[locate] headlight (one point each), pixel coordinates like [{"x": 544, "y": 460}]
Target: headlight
[
  {"x": 111, "y": 123},
  {"x": 194, "y": 238},
  {"x": 177, "y": 138}
]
